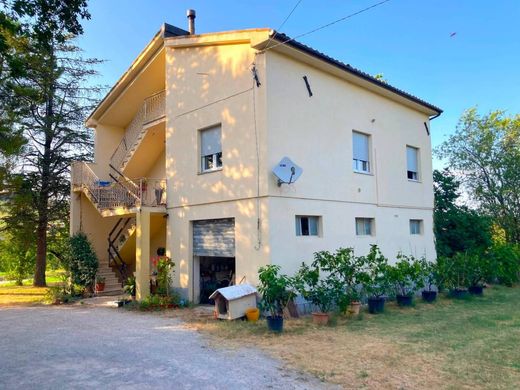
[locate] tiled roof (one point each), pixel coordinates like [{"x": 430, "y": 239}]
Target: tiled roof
[{"x": 282, "y": 38}]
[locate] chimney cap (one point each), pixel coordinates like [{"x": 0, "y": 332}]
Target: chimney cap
[{"x": 191, "y": 12}]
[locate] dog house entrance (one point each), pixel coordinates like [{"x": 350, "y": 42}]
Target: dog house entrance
[{"x": 215, "y": 273}]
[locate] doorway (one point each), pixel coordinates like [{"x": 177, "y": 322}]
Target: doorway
[{"x": 214, "y": 273}]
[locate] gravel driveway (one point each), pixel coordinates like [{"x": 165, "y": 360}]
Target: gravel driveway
[{"x": 86, "y": 347}]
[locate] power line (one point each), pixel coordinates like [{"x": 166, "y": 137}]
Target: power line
[
  {"x": 285, "y": 21},
  {"x": 324, "y": 26}
]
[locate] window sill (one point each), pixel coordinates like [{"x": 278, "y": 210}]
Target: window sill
[
  {"x": 209, "y": 171},
  {"x": 414, "y": 181},
  {"x": 363, "y": 173}
]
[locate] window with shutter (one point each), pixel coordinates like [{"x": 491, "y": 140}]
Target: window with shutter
[
  {"x": 360, "y": 152},
  {"x": 211, "y": 148},
  {"x": 412, "y": 163}
]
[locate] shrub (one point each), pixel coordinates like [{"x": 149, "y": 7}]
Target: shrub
[
  {"x": 275, "y": 288},
  {"x": 406, "y": 275},
  {"x": 373, "y": 275},
  {"x": 164, "y": 274},
  {"x": 505, "y": 260},
  {"x": 82, "y": 261},
  {"x": 322, "y": 292},
  {"x": 430, "y": 274},
  {"x": 130, "y": 286}
]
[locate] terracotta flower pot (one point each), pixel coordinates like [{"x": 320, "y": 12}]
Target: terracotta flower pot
[
  {"x": 354, "y": 308},
  {"x": 320, "y": 318},
  {"x": 100, "y": 287}
]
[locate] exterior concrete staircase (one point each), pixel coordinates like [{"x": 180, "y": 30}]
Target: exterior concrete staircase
[{"x": 112, "y": 284}]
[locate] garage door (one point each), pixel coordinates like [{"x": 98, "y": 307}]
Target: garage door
[{"x": 214, "y": 237}]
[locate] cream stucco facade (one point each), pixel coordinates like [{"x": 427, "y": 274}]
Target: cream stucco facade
[{"x": 208, "y": 80}]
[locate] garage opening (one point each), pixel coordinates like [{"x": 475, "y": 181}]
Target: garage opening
[
  {"x": 215, "y": 273},
  {"x": 214, "y": 256}
]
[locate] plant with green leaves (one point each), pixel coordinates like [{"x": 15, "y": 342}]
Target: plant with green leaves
[
  {"x": 82, "y": 261},
  {"x": 320, "y": 291},
  {"x": 373, "y": 275},
  {"x": 406, "y": 275},
  {"x": 430, "y": 274},
  {"x": 505, "y": 260},
  {"x": 275, "y": 289},
  {"x": 479, "y": 268},
  {"x": 165, "y": 268},
  {"x": 130, "y": 286},
  {"x": 343, "y": 270}
]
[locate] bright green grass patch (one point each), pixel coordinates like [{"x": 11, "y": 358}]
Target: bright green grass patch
[{"x": 10, "y": 294}]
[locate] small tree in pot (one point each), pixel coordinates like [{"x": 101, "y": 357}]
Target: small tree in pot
[
  {"x": 321, "y": 292},
  {"x": 406, "y": 277},
  {"x": 430, "y": 276},
  {"x": 478, "y": 269},
  {"x": 343, "y": 268},
  {"x": 276, "y": 293},
  {"x": 455, "y": 270},
  {"x": 374, "y": 279}
]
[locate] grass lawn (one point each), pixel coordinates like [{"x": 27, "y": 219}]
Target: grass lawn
[
  {"x": 10, "y": 294},
  {"x": 451, "y": 344}
]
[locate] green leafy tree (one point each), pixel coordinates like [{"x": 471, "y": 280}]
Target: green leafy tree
[
  {"x": 51, "y": 98},
  {"x": 485, "y": 149},
  {"x": 457, "y": 228},
  {"x": 81, "y": 260}
]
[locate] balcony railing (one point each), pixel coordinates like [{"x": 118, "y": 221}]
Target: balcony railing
[
  {"x": 122, "y": 193},
  {"x": 153, "y": 108}
]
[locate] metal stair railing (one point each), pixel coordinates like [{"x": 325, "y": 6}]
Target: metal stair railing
[{"x": 153, "y": 108}]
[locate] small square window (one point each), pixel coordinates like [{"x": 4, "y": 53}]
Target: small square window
[
  {"x": 415, "y": 226},
  {"x": 364, "y": 226},
  {"x": 307, "y": 225}
]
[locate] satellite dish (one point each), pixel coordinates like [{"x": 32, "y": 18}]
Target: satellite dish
[{"x": 287, "y": 172}]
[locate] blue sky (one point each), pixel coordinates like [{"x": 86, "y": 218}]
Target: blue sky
[{"x": 408, "y": 41}]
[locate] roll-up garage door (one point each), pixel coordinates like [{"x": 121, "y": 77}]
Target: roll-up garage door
[{"x": 214, "y": 237}]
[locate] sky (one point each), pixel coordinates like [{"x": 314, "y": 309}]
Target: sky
[{"x": 455, "y": 54}]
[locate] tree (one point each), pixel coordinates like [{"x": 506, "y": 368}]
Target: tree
[
  {"x": 53, "y": 99},
  {"x": 485, "y": 150},
  {"x": 457, "y": 228}
]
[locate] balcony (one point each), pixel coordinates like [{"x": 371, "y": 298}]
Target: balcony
[
  {"x": 125, "y": 194},
  {"x": 152, "y": 110}
]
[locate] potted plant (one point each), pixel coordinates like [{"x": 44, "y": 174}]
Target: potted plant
[
  {"x": 478, "y": 269},
  {"x": 455, "y": 271},
  {"x": 130, "y": 287},
  {"x": 430, "y": 275},
  {"x": 100, "y": 283},
  {"x": 319, "y": 291},
  {"x": 374, "y": 279},
  {"x": 342, "y": 268},
  {"x": 276, "y": 293},
  {"x": 406, "y": 277}
]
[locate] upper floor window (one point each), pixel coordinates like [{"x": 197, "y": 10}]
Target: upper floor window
[
  {"x": 360, "y": 152},
  {"x": 412, "y": 163},
  {"x": 364, "y": 226},
  {"x": 211, "y": 148},
  {"x": 307, "y": 225},
  {"x": 415, "y": 226}
]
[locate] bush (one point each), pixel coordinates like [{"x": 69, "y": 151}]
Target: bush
[
  {"x": 164, "y": 279},
  {"x": 322, "y": 292},
  {"x": 275, "y": 288},
  {"x": 505, "y": 261},
  {"x": 82, "y": 261},
  {"x": 406, "y": 275},
  {"x": 374, "y": 273}
]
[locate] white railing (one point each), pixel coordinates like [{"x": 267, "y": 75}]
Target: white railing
[
  {"x": 122, "y": 193},
  {"x": 153, "y": 108}
]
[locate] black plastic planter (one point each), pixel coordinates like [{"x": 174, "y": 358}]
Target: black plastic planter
[
  {"x": 476, "y": 290},
  {"x": 429, "y": 296},
  {"x": 376, "y": 305},
  {"x": 404, "y": 300},
  {"x": 275, "y": 324},
  {"x": 459, "y": 293}
]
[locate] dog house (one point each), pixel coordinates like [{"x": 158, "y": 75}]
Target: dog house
[{"x": 233, "y": 301}]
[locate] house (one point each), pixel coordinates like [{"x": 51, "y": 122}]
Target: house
[{"x": 185, "y": 145}]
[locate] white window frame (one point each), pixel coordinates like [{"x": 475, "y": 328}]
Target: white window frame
[
  {"x": 215, "y": 159},
  {"x": 358, "y": 165},
  {"x": 410, "y": 174},
  {"x": 417, "y": 223},
  {"x": 316, "y": 232},
  {"x": 362, "y": 232}
]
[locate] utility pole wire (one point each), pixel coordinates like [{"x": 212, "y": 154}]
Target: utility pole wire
[
  {"x": 322, "y": 27},
  {"x": 285, "y": 21}
]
